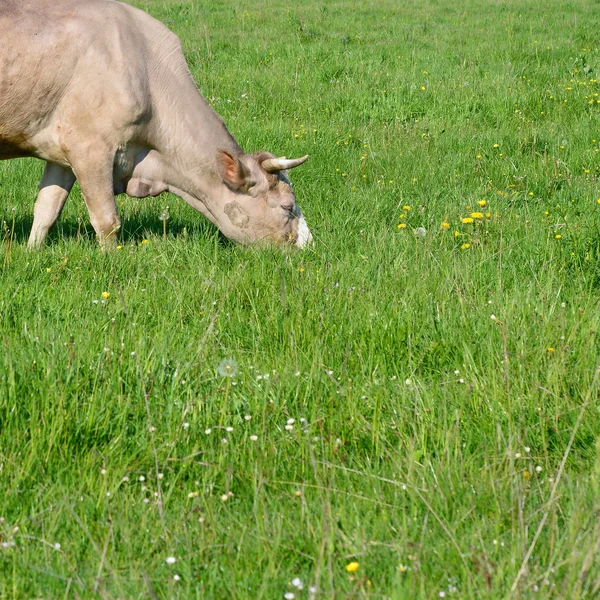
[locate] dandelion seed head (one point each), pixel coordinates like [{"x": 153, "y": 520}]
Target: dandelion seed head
[{"x": 227, "y": 367}]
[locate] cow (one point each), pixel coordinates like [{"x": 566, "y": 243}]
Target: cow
[{"x": 101, "y": 91}]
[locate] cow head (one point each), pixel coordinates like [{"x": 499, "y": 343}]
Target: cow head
[{"x": 258, "y": 203}]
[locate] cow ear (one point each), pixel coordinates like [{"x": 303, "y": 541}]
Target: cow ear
[{"x": 233, "y": 171}]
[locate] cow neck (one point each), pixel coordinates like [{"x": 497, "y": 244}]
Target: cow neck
[{"x": 190, "y": 134}]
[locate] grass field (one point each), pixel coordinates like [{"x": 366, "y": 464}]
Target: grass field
[{"x": 421, "y": 405}]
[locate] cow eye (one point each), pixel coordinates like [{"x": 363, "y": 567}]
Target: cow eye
[{"x": 289, "y": 209}]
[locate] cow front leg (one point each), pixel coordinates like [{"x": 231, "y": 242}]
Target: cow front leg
[
  {"x": 55, "y": 186},
  {"x": 95, "y": 176}
]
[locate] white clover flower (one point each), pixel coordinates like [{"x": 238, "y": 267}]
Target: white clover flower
[
  {"x": 248, "y": 417},
  {"x": 297, "y": 583},
  {"x": 229, "y": 429},
  {"x": 208, "y": 431},
  {"x": 538, "y": 469},
  {"x": 420, "y": 232},
  {"x": 170, "y": 560},
  {"x": 254, "y": 438}
]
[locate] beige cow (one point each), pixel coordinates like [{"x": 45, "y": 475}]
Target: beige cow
[{"x": 101, "y": 91}]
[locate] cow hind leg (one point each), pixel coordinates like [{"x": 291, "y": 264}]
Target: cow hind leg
[
  {"x": 55, "y": 186},
  {"x": 95, "y": 176}
]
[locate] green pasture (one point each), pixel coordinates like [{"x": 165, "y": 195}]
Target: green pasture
[{"x": 409, "y": 409}]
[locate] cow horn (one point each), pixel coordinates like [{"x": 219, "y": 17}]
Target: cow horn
[{"x": 272, "y": 165}]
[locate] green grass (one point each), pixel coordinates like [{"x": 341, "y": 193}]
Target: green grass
[{"x": 445, "y": 397}]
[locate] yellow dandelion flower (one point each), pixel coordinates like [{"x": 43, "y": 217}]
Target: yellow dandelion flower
[
  {"x": 598, "y": 200},
  {"x": 465, "y": 246},
  {"x": 477, "y": 215},
  {"x": 144, "y": 242},
  {"x": 48, "y": 269},
  {"x": 457, "y": 234},
  {"x": 526, "y": 474},
  {"x": 550, "y": 350},
  {"x": 488, "y": 215},
  {"x": 301, "y": 269},
  {"x": 352, "y": 567},
  {"x": 401, "y": 225},
  {"x": 467, "y": 220},
  {"x": 106, "y": 295},
  {"x": 496, "y": 145},
  {"x": 558, "y": 236},
  {"x": 406, "y": 207},
  {"x": 482, "y": 203},
  {"x": 119, "y": 247},
  {"x": 445, "y": 225},
  {"x": 478, "y": 156}
]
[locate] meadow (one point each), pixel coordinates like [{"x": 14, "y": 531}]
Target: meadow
[{"x": 409, "y": 409}]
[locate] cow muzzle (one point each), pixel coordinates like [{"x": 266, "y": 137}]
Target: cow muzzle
[{"x": 304, "y": 235}]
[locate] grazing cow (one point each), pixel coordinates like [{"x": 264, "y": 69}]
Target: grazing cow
[{"x": 101, "y": 91}]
